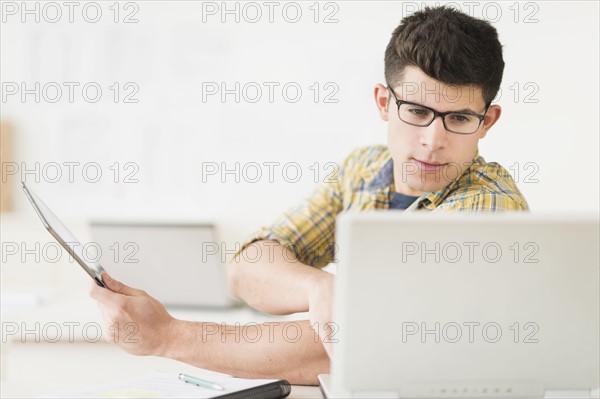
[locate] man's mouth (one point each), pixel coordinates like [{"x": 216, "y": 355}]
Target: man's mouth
[{"x": 429, "y": 165}]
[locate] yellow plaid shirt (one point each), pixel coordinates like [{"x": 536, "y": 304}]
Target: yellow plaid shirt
[{"x": 365, "y": 182}]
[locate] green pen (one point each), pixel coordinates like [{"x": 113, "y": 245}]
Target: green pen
[{"x": 200, "y": 382}]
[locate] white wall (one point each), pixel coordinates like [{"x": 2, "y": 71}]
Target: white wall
[{"x": 170, "y": 53}]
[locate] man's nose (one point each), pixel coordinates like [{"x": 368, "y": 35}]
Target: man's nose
[{"x": 434, "y": 136}]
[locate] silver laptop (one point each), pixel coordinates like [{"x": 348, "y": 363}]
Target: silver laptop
[
  {"x": 179, "y": 264},
  {"x": 466, "y": 305}
]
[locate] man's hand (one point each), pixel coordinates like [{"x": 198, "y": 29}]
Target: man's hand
[
  {"x": 320, "y": 302},
  {"x": 134, "y": 320}
]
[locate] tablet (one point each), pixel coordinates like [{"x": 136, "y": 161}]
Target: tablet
[{"x": 64, "y": 237}]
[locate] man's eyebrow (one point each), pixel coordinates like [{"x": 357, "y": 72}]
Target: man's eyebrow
[{"x": 465, "y": 111}]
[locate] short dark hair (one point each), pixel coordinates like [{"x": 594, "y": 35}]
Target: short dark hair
[{"x": 449, "y": 46}]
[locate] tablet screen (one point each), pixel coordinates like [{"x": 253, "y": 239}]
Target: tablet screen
[{"x": 63, "y": 236}]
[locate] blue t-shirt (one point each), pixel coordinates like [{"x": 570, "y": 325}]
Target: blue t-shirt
[{"x": 401, "y": 201}]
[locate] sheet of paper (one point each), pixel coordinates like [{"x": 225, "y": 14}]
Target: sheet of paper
[{"x": 161, "y": 385}]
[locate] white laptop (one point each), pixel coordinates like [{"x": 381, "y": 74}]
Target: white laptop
[
  {"x": 179, "y": 264},
  {"x": 466, "y": 305}
]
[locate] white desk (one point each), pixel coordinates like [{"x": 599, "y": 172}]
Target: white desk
[
  {"x": 16, "y": 389},
  {"x": 31, "y": 368}
]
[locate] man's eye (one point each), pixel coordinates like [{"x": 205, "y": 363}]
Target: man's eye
[
  {"x": 418, "y": 111},
  {"x": 460, "y": 118}
]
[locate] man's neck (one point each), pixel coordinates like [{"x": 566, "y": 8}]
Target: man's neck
[{"x": 402, "y": 188}]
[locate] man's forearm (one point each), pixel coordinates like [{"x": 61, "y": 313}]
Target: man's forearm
[
  {"x": 269, "y": 278},
  {"x": 286, "y": 349}
]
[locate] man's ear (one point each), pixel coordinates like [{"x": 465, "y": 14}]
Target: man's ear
[
  {"x": 381, "y": 100},
  {"x": 491, "y": 117}
]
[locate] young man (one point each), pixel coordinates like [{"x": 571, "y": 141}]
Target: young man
[{"x": 443, "y": 69}]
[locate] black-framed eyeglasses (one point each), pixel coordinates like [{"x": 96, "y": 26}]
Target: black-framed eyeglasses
[{"x": 422, "y": 116}]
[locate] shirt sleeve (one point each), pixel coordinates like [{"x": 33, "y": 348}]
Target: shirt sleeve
[{"x": 308, "y": 228}]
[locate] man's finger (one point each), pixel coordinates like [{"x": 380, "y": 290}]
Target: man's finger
[{"x": 119, "y": 287}]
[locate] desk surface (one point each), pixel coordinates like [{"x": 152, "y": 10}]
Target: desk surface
[
  {"x": 20, "y": 389},
  {"x": 32, "y": 368}
]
